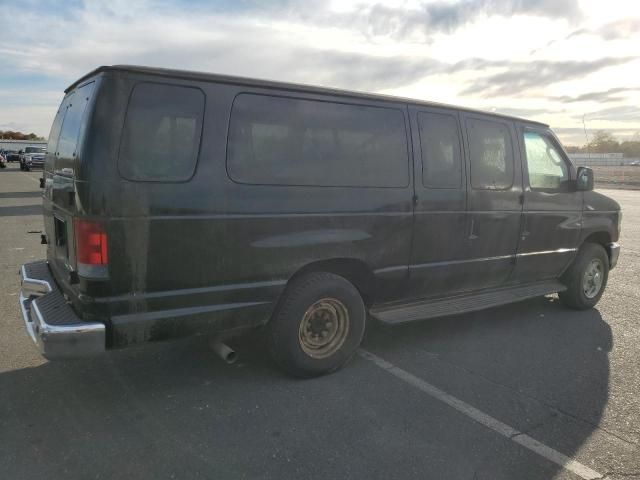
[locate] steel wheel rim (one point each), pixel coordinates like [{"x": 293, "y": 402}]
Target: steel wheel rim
[
  {"x": 593, "y": 278},
  {"x": 324, "y": 328}
]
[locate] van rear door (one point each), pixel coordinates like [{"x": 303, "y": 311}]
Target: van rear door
[{"x": 64, "y": 152}]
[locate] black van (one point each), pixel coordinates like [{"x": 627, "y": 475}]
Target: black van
[{"x": 179, "y": 203}]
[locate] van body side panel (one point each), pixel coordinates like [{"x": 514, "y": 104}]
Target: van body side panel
[{"x": 210, "y": 254}]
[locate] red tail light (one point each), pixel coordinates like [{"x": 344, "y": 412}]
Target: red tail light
[{"x": 91, "y": 242}]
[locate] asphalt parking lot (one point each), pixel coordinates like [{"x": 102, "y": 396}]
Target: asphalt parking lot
[{"x": 530, "y": 390}]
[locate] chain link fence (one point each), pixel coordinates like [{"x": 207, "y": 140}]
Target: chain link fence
[{"x": 611, "y": 170}]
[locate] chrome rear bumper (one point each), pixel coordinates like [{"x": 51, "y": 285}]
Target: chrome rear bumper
[{"x": 51, "y": 322}]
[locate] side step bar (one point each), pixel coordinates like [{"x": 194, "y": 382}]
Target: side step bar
[{"x": 408, "y": 312}]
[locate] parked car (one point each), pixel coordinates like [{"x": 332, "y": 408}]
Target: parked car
[
  {"x": 635, "y": 163},
  {"x": 33, "y": 157},
  {"x": 180, "y": 203},
  {"x": 12, "y": 156}
]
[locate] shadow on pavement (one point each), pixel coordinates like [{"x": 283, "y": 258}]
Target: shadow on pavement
[
  {"x": 542, "y": 360},
  {"x": 16, "y": 169},
  {"x": 21, "y": 210},
  {"x": 32, "y": 194},
  {"x": 175, "y": 409}
]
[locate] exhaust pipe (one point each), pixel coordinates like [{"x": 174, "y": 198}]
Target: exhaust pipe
[{"x": 226, "y": 353}]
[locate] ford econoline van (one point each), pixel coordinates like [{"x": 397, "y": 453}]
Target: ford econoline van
[{"x": 180, "y": 203}]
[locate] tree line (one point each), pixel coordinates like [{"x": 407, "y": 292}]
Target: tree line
[
  {"x": 604, "y": 142},
  {"x": 11, "y": 135}
]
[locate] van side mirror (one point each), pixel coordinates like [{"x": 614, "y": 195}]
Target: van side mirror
[{"x": 584, "y": 180}]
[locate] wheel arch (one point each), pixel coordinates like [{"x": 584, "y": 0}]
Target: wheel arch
[
  {"x": 354, "y": 270},
  {"x": 602, "y": 238}
]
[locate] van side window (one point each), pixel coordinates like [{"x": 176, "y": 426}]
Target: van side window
[
  {"x": 161, "y": 133},
  {"x": 547, "y": 169},
  {"x": 491, "y": 155},
  {"x": 290, "y": 141},
  {"x": 74, "y": 120},
  {"x": 440, "y": 147}
]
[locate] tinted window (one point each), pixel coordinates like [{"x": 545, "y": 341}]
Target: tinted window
[
  {"x": 286, "y": 141},
  {"x": 73, "y": 121},
  {"x": 54, "y": 134},
  {"x": 161, "y": 134},
  {"x": 491, "y": 155},
  {"x": 440, "y": 146},
  {"x": 547, "y": 169},
  {"x": 34, "y": 150}
]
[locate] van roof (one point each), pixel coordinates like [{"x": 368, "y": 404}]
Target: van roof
[{"x": 218, "y": 78}]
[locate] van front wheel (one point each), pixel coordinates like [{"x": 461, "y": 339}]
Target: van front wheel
[
  {"x": 586, "y": 278},
  {"x": 317, "y": 326}
]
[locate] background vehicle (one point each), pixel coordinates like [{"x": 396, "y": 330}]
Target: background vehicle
[
  {"x": 33, "y": 157},
  {"x": 12, "y": 156},
  {"x": 182, "y": 203}
]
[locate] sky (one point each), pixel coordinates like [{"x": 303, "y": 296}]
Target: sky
[{"x": 555, "y": 61}]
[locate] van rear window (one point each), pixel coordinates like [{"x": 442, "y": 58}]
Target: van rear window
[
  {"x": 161, "y": 133},
  {"x": 74, "y": 120},
  {"x": 291, "y": 141}
]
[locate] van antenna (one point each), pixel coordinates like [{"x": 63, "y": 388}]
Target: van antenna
[{"x": 584, "y": 125}]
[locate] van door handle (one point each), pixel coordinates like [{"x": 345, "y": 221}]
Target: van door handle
[
  {"x": 525, "y": 229},
  {"x": 472, "y": 235}
]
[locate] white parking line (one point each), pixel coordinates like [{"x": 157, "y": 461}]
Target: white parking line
[{"x": 487, "y": 420}]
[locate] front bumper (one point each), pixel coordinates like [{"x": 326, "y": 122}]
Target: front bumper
[
  {"x": 51, "y": 322},
  {"x": 614, "y": 253}
]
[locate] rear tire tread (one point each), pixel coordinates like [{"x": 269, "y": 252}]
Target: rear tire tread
[{"x": 287, "y": 353}]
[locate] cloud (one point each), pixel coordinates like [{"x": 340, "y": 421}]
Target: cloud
[
  {"x": 213, "y": 42},
  {"x": 521, "y": 112},
  {"x": 620, "y": 29},
  {"x": 429, "y": 18},
  {"x": 625, "y": 114},
  {"x": 514, "y": 78},
  {"x": 607, "y": 96}
]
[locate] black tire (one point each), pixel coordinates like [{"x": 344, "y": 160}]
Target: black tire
[
  {"x": 575, "y": 296},
  {"x": 305, "y": 301}
]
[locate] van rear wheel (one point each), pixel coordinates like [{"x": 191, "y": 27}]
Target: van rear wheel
[
  {"x": 317, "y": 326},
  {"x": 586, "y": 278}
]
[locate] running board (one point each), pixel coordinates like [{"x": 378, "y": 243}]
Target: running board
[{"x": 409, "y": 312}]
